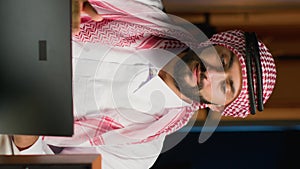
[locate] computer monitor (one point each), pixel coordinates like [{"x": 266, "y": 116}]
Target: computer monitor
[{"x": 35, "y": 67}]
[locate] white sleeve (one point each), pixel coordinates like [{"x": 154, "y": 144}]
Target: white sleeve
[
  {"x": 130, "y": 7},
  {"x": 137, "y": 156},
  {"x": 39, "y": 147},
  {"x": 5, "y": 148},
  {"x": 154, "y": 3},
  {"x": 128, "y": 156}
]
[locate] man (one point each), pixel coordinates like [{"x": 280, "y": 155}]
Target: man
[{"x": 127, "y": 101}]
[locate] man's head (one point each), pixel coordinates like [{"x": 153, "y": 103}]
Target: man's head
[
  {"x": 221, "y": 73},
  {"x": 220, "y": 76}
]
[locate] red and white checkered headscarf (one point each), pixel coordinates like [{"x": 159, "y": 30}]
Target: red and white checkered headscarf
[{"x": 234, "y": 40}]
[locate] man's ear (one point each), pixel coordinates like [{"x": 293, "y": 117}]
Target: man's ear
[{"x": 218, "y": 108}]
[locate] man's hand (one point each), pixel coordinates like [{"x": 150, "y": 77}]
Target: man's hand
[
  {"x": 23, "y": 141},
  {"x": 79, "y": 6}
]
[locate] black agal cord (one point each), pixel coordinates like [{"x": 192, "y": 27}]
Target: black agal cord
[{"x": 253, "y": 57}]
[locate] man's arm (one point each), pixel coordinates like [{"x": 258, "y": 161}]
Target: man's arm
[
  {"x": 84, "y": 6},
  {"x": 23, "y": 142}
]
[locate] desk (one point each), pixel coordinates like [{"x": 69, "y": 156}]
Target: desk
[{"x": 82, "y": 161}]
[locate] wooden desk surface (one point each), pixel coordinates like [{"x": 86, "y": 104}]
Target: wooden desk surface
[{"x": 91, "y": 160}]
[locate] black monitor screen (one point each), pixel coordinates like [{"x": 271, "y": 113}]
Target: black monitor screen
[{"x": 35, "y": 67}]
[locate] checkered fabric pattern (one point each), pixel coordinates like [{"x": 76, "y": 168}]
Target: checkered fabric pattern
[{"x": 235, "y": 41}]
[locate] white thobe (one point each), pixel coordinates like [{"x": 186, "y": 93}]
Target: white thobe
[{"x": 116, "y": 79}]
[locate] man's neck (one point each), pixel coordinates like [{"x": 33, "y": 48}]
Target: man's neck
[{"x": 166, "y": 74}]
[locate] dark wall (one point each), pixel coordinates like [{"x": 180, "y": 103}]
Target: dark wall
[{"x": 234, "y": 150}]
